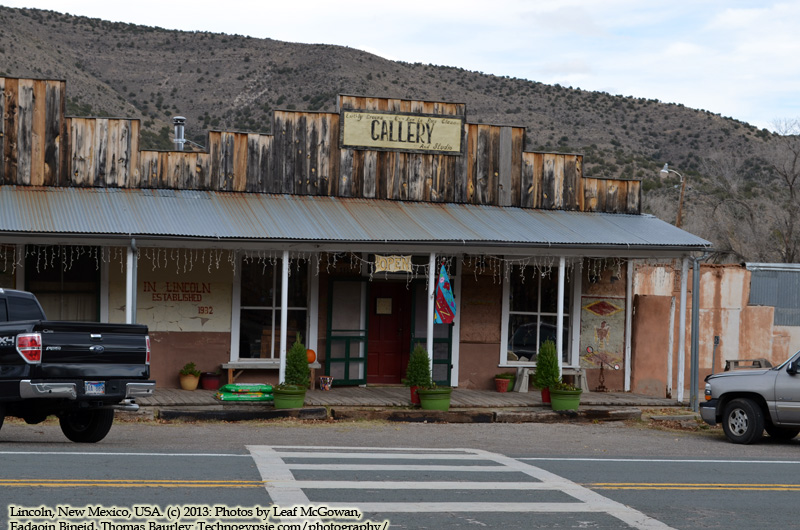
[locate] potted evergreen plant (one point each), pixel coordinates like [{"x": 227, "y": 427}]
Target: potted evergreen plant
[
  {"x": 546, "y": 374},
  {"x": 291, "y": 393},
  {"x": 431, "y": 396},
  {"x": 418, "y": 372},
  {"x": 190, "y": 376}
]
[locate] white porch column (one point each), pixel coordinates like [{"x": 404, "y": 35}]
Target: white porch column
[
  {"x": 284, "y": 311},
  {"x": 682, "y": 329},
  {"x": 312, "y": 341},
  {"x": 560, "y": 313},
  {"x": 628, "y": 324},
  {"x": 130, "y": 283},
  {"x": 431, "y": 298}
]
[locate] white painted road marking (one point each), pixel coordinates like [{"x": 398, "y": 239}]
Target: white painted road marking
[{"x": 285, "y": 491}]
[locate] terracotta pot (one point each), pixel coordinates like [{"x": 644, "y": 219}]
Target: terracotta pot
[
  {"x": 189, "y": 381},
  {"x": 501, "y": 385}
]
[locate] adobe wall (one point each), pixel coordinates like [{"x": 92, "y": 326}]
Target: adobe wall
[{"x": 481, "y": 307}]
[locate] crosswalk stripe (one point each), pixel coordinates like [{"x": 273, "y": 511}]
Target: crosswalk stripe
[{"x": 280, "y": 484}]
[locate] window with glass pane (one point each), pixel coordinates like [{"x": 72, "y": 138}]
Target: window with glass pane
[
  {"x": 533, "y": 313},
  {"x": 260, "y": 316}
]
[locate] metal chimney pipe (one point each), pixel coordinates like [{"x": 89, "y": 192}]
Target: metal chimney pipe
[{"x": 179, "y": 122}]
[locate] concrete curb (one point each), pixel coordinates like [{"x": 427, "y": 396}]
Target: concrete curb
[
  {"x": 249, "y": 413},
  {"x": 241, "y": 414}
]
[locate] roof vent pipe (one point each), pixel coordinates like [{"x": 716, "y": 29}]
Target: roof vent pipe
[{"x": 179, "y": 122}]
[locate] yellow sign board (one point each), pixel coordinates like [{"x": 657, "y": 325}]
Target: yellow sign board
[
  {"x": 420, "y": 133},
  {"x": 392, "y": 263}
]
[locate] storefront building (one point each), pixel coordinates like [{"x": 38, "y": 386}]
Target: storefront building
[{"x": 328, "y": 228}]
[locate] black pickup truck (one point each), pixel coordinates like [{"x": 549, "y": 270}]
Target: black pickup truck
[{"x": 79, "y": 371}]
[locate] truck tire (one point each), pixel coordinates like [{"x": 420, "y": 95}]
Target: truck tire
[
  {"x": 782, "y": 433},
  {"x": 87, "y": 426},
  {"x": 743, "y": 421},
  {"x": 2, "y": 414}
]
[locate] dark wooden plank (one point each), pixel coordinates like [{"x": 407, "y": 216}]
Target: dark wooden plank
[
  {"x": 504, "y": 185},
  {"x": 98, "y": 176},
  {"x": 334, "y": 157},
  {"x": 24, "y": 131},
  {"x": 253, "y": 177},
  {"x": 3, "y": 140},
  {"x": 202, "y": 171},
  {"x": 358, "y": 174},
  {"x": 369, "y": 181},
  {"x": 314, "y": 148},
  {"x": 518, "y": 142},
  {"x": 287, "y": 152},
  {"x": 483, "y": 165},
  {"x": 570, "y": 185},
  {"x": 346, "y": 165},
  {"x": 416, "y": 185},
  {"x": 548, "y": 181},
  {"x": 526, "y": 181},
  {"x": 634, "y": 201}
]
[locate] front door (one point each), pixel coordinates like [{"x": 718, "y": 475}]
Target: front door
[{"x": 389, "y": 332}]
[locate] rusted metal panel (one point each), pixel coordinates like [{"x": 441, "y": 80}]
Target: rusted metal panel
[{"x": 265, "y": 217}]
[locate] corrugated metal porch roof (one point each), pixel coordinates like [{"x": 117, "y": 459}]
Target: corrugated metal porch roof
[{"x": 248, "y": 216}]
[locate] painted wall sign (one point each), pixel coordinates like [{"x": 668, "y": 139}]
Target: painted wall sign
[
  {"x": 392, "y": 263},
  {"x": 425, "y": 133}
]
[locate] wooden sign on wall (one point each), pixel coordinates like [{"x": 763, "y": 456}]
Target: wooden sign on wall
[{"x": 388, "y": 131}]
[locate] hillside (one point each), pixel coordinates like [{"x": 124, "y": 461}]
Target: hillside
[{"x": 232, "y": 82}]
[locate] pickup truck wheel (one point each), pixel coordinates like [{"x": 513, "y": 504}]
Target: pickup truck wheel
[
  {"x": 782, "y": 433},
  {"x": 87, "y": 426},
  {"x": 2, "y": 415},
  {"x": 743, "y": 421}
]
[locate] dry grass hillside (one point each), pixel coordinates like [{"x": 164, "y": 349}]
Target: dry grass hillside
[{"x": 232, "y": 82}]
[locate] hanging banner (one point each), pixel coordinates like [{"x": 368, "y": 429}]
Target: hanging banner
[{"x": 445, "y": 307}]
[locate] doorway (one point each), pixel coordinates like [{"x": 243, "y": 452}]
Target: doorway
[{"x": 389, "y": 332}]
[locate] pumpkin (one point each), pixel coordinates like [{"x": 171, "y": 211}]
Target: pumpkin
[{"x": 312, "y": 356}]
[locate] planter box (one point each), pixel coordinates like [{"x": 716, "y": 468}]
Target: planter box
[
  {"x": 565, "y": 399},
  {"x": 435, "y": 398}
]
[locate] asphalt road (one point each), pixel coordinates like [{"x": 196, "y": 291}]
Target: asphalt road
[{"x": 608, "y": 475}]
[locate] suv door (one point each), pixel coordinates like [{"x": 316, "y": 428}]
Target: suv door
[{"x": 787, "y": 394}]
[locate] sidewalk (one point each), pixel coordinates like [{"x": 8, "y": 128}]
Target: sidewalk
[{"x": 393, "y": 404}]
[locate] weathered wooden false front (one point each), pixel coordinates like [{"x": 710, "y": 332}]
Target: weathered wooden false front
[{"x": 43, "y": 147}]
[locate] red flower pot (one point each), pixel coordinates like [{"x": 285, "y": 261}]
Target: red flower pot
[
  {"x": 414, "y": 396},
  {"x": 501, "y": 385},
  {"x": 546, "y": 395}
]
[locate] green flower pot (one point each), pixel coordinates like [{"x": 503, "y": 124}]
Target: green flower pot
[
  {"x": 435, "y": 398},
  {"x": 565, "y": 399},
  {"x": 288, "y": 398}
]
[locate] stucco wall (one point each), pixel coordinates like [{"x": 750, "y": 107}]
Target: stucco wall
[
  {"x": 744, "y": 331},
  {"x": 481, "y": 308}
]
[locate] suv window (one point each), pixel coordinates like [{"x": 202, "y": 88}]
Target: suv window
[{"x": 24, "y": 309}]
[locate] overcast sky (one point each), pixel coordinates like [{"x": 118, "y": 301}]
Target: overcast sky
[{"x": 736, "y": 58}]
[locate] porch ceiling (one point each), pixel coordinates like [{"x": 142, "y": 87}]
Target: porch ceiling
[{"x": 208, "y": 215}]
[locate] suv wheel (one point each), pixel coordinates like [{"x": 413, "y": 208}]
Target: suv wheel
[{"x": 743, "y": 421}]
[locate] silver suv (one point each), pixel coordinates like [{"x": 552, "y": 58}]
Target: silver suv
[{"x": 746, "y": 402}]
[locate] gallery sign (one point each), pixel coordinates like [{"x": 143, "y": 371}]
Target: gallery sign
[{"x": 387, "y": 131}]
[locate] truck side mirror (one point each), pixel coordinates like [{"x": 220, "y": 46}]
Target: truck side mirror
[{"x": 793, "y": 367}]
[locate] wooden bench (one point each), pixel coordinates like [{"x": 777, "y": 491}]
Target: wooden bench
[
  {"x": 237, "y": 368},
  {"x": 523, "y": 375}
]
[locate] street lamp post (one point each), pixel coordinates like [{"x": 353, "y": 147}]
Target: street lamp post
[{"x": 666, "y": 171}]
